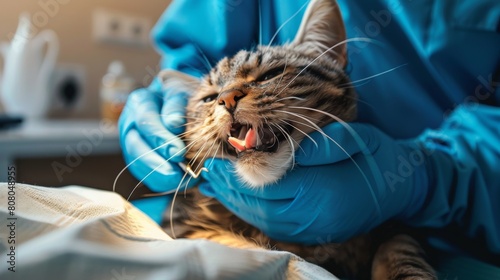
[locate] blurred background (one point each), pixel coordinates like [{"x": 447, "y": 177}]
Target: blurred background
[{"x": 66, "y": 67}]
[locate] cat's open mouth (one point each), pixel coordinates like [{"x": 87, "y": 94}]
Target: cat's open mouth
[{"x": 245, "y": 138}]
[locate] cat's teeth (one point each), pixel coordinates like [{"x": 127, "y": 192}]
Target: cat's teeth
[
  {"x": 243, "y": 132},
  {"x": 251, "y": 139},
  {"x": 237, "y": 143}
]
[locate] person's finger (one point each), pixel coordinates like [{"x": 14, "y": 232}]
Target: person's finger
[
  {"x": 284, "y": 220},
  {"x": 158, "y": 174},
  {"x": 145, "y": 107},
  {"x": 173, "y": 111},
  {"x": 288, "y": 227},
  {"x": 125, "y": 122},
  {"x": 206, "y": 189},
  {"x": 223, "y": 170},
  {"x": 337, "y": 142},
  {"x": 257, "y": 211}
]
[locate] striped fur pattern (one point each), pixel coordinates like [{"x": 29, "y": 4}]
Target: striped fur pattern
[
  {"x": 279, "y": 93},
  {"x": 278, "y": 107}
]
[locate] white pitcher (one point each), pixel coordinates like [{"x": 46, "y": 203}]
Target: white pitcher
[{"x": 24, "y": 84}]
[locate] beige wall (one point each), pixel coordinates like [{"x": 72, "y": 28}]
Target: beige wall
[{"x": 73, "y": 24}]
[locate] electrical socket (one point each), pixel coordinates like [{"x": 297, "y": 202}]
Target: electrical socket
[
  {"x": 111, "y": 27},
  {"x": 68, "y": 88}
]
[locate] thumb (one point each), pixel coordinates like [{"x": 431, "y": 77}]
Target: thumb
[
  {"x": 173, "y": 111},
  {"x": 337, "y": 142}
]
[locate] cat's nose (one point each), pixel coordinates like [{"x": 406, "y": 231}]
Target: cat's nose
[{"x": 229, "y": 99}]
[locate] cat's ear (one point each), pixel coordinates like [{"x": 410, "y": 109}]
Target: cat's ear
[
  {"x": 322, "y": 28},
  {"x": 178, "y": 81}
]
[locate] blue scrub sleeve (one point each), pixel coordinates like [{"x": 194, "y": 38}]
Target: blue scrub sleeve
[
  {"x": 192, "y": 38},
  {"x": 464, "y": 174}
]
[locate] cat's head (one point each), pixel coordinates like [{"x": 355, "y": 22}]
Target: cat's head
[{"x": 255, "y": 107}]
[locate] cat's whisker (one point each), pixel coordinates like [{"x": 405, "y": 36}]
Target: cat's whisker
[
  {"x": 186, "y": 188},
  {"x": 313, "y": 125},
  {"x": 304, "y": 117},
  {"x": 290, "y": 98},
  {"x": 205, "y": 58},
  {"x": 357, "y": 39},
  {"x": 160, "y": 133},
  {"x": 290, "y": 141},
  {"x": 185, "y": 191},
  {"x": 155, "y": 169},
  {"x": 372, "y": 76},
  {"x": 282, "y": 75},
  {"x": 213, "y": 157},
  {"x": 206, "y": 154},
  {"x": 182, "y": 117},
  {"x": 188, "y": 147},
  {"x": 360, "y": 101},
  {"x": 216, "y": 151},
  {"x": 202, "y": 149},
  {"x": 199, "y": 121},
  {"x": 285, "y": 23},
  {"x": 192, "y": 123},
  {"x": 172, "y": 206},
  {"x": 317, "y": 128},
  {"x": 139, "y": 157},
  {"x": 301, "y": 131},
  {"x": 194, "y": 159},
  {"x": 364, "y": 150},
  {"x": 179, "y": 87},
  {"x": 206, "y": 62},
  {"x": 356, "y": 85}
]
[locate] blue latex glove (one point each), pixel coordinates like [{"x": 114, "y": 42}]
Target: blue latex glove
[
  {"x": 148, "y": 129},
  {"x": 326, "y": 198},
  {"x": 154, "y": 116},
  {"x": 429, "y": 181},
  {"x": 149, "y": 138}
]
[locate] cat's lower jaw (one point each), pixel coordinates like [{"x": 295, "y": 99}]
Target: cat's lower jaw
[{"x": 258, "y": 169}]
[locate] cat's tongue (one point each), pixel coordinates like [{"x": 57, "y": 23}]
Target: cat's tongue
[{"x": 248, "y": 143}]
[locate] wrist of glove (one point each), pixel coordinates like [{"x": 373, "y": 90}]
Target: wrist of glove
[
  {"x": 347, "y": 181},
  {"x": 148, "y": 129}
]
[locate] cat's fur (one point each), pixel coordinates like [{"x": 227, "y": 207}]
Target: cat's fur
[{"x": 270, "y": 90}]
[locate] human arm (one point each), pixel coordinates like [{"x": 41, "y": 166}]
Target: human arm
[
  {"x": 464, "y": 186},
  {"x": 434, "y": 74},
  {"x": 326, "y": 199}
]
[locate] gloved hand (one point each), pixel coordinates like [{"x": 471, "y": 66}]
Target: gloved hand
[
  {"x": 148, "y": 126},
  {"x": 329, "y": 197}
]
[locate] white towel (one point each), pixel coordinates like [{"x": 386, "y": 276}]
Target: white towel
[{"x": 81, "y": 233}]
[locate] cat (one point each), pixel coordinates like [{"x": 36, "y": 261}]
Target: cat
[{"x": 254, "y": 108}]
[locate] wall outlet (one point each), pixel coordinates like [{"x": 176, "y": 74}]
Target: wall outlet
[
  {"x": 111, "y": 27},
  {"x": 68, "y": 88}
]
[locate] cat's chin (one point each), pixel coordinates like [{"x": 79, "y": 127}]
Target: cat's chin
[{"x": 258, "y": 169}]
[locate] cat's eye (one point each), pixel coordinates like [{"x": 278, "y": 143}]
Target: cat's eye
[
  {"x": 210, "y": 98},
  {"x": 270, "y": 74}
]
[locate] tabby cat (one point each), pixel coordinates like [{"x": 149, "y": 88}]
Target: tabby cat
[{"x": 255, "y": 108}]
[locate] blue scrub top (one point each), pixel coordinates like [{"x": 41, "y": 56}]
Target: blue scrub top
[{"x": 445, "y": 52}]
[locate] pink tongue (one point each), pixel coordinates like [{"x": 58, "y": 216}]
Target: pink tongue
[{"x": 249, "y": 142}]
